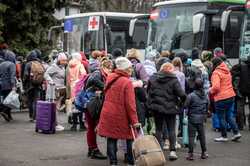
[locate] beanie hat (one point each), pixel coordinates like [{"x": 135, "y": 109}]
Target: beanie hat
[
  {"x": 77, "y": 56},
  {"x": 183, "y": 55},
  {"x": 195, "y": 54},
  {"x": 167, "y": 67},
  {"x": 122, "y": 63},
  {"x": 216, "y": 62},
  {"x": 117, "y": 52},
  {"x": 133, "y": 54},
  {"x": 218, "y": 52},
  {"x": 61, "y": 56},
  {"x": 206, "y": 56}
]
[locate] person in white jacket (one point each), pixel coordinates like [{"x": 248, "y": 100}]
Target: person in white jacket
[{"x": 55, "y": 76}]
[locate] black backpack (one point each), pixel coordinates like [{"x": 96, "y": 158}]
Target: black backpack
[{"x": 192, "y": 74}]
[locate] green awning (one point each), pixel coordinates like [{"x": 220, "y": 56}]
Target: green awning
[{"x": 228, "y": 1}]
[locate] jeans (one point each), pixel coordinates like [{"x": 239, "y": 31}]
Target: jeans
[
  {"x": 112, "y": 151},
  {"x": 34, "y": 95},
  {"x": 170, "y": 121},
  {"x": 225, "y": 110},
  {"x": 241, "y": 114},
  {"x": 192, "y": 129}
]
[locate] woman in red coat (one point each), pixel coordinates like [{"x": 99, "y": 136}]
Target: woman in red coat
[{"x": 119, "y": 110}]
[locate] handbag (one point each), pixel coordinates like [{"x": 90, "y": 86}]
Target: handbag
[
  {"x": 94, "y": 106},
  {"x": 12, "y": 100}
]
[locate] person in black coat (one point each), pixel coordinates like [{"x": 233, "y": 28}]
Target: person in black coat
[
  {"x": 165, "y": 96},
  {"x": 197, "y": 106}
]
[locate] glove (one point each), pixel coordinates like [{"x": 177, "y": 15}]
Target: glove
[{"x": 137, "y": 84}]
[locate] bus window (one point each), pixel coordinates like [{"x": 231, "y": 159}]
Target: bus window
[{"x": 140, "y": 34}]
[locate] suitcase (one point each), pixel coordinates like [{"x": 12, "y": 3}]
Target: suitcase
[
  {"x": 147, "y": 150},
  {"x": 46, "y": 116},
  {"x": 185, "y": 139}
]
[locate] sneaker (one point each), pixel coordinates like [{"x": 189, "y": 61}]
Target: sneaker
[
  {"x": 221, "y": 139},
  {"x": 173, "y": 156},
  {"x": 177, "y": 145},
  {"x": 5, "y": 116},
  {"x": 236, "y": 137},
  {"x": 204, "y": 155},
  {"x": 166, "y": 145},
  {"x": 190, "y": 157},
  {"x": 59, "y": 128},
  {"x": 96, "y": 154}
]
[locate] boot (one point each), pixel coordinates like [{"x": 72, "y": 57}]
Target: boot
[
  {"x": 5, "y": 116},
  {"x": 96, "y": 154},
  {"x": 190, "y": 157},
  {"x": 82, "y": 127},
  {"x": 74, "y": 127},
  {"x": 204, "y": 155}
]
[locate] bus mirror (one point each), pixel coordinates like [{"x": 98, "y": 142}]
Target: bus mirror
[
  {"x": 132, "y": 27},
  {"x": 197, "y": 22},
  {"x": 224, "y": 20}
]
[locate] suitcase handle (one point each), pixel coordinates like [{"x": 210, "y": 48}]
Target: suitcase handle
[
  {"x": 52, "y": 96},
  {"x": 133, "y": 132}
]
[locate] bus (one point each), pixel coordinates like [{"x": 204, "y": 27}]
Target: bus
[
  {"x": 185, "y": 24},
  {"x": 101, "y": 31},
  {"x": 244, "y": 51}
]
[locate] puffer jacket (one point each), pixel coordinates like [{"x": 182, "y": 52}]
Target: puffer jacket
[
  {"x": 165, "y": 93},
  {"x": 55, "y": 74},
  {"x": 149, "y": 67},
  {"x": 197, "y": 105},
  {"x": 222, "y": 87}
]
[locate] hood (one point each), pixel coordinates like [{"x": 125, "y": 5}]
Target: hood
[
  {"x": 197, "y": 63},
  {"x": 10, "y": 56},
  {"x": 73, "y": 63},
  {"x": 222, "y": 68},
  {"x": 163, "y": 77},
  {"x": 115, "y": 75},
  {"x": 200, "y": 93},
  {"x": 32, "y": 56}
]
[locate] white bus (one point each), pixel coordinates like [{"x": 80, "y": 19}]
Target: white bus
[
  {"x": 171, "y": 26},
  {"x": 101, "y": 31}
]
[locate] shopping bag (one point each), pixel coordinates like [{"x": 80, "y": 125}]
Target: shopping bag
[
  {"x": 12, "y": 100},
  {"x": 185, "y": 140}
]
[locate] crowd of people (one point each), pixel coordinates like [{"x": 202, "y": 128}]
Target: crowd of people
[{"x": 158, "y": 92}]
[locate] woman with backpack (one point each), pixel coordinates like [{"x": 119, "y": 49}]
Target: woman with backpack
[
  {"x": 95, "y": 83},
  {"x": 55, "y": 76}
]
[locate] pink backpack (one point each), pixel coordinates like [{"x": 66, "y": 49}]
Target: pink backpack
[{"x": 81, "y": 83}]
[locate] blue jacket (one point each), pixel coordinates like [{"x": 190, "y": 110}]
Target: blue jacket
[{"x": 7, "y": 74}]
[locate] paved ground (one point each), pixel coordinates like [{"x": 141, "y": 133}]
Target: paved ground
[{"x": 21, "y": 146}]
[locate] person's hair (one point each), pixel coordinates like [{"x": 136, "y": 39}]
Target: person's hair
[
  {"x": 106, "y": 63},
  {"x": 96, "y": 54},
  {"x": 167, "y": 67},
  {"x": 206, "y": 56},
  {"x": 177, "y": 62},
  {"x": 216, "y": 62}
]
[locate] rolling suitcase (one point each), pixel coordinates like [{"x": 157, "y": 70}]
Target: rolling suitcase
[
  {"x": 46, "y": 115},
  {"x": 147, "y": 150}
]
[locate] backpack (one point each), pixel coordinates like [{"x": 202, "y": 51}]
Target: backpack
[
  {"x": 37, "y": 73},
  {"x": 81, "y": 84}
]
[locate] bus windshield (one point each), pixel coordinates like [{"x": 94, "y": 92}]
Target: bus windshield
[
  {"x": 245, "y": 39},
  {"x": 80, "y": 38},
  {"x": 172, "y": 29}
]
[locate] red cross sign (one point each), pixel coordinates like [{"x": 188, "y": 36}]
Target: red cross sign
[{"x": 93, "y": 23}]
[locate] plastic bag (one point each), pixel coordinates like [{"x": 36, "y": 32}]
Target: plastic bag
[{"x": 12, "y": 100}]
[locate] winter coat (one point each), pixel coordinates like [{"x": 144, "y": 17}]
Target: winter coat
[
  {"x": 119, "y": 108},
  {"x": 94, "y": 65},
  {"x": 181, "y": 78},
  {"x": 165, "y": 93},
  {"x": 149, "y": 67},
  {"x": 197, "y": 105},
  {"x": 205, "y": 77},
  {"x": 96, "y": 80},
  {"x": 222, "y": 87},
  {"x": 74, "y": 72},
  {"x": 56, "y": 74},
  {"x": 7, "y": 74}
]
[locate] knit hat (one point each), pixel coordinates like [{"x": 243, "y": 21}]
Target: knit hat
[
  {"x": 77, "y": 56},
  {"x": 195, "y": 54},
  {"x": 122, "y": 63},
  {"x": 206, "y": 56},
  {"x": 167, "y": 67},
  {"x": 216, "y": 62},
  {"x": 218, "y": 52},
  {"x": 61, "y": 56}
]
